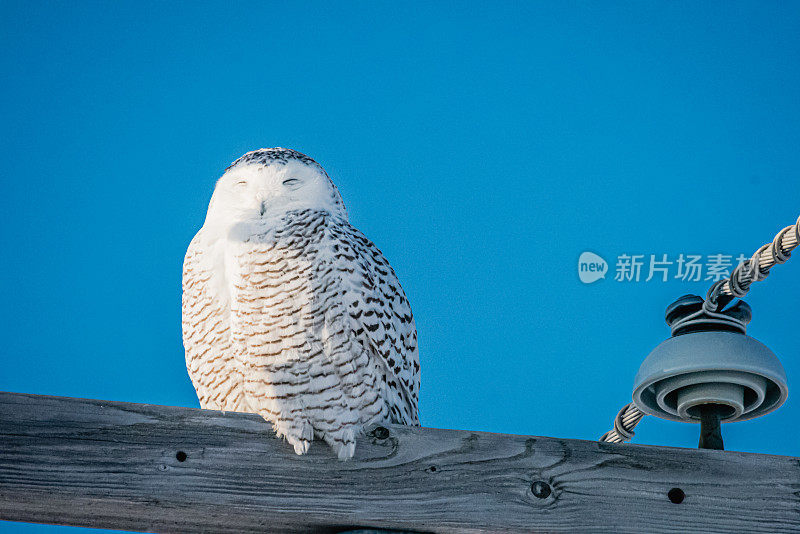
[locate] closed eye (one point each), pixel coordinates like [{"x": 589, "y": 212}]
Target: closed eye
[
  {"x": 289, "y": 182},
  {"x": 241, "y": 183}
]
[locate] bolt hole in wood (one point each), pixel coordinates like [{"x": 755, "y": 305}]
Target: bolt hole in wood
[
  {"x": 541, "y": 489},
  {"x": 381, "y": 432},
  {"x": 676, "y": 495},
  {"x": 181, "y": 456},
  {"x": 432, "y": 469}
]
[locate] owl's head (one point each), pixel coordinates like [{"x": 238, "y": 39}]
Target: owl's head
[{"x": 269, "y": 182}]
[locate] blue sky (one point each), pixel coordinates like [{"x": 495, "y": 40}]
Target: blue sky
[{"x": 482, "y": 148}]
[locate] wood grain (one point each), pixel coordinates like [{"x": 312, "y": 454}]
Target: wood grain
[{"x": 117, "y": 465}]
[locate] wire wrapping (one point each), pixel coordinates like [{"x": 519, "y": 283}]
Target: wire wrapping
[
  {"x": 627, "y": 418},
  {"x": 736, "y": 285},
  {"x": 756, "y": 268}
]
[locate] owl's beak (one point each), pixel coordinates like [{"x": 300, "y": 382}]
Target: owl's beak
[{"x": 263, "y": 207}]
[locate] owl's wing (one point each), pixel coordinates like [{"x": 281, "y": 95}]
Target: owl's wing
[
  {"x": 381, "y": 319},
  {"x": 206, "y": 332}
]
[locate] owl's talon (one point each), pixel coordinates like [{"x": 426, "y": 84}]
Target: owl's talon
[
  {"x": 345, "y": 451},
  {"x": 301, "y": 447}
]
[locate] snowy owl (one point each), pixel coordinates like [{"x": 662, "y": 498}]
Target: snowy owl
[{"x": 291, "y": 313}]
